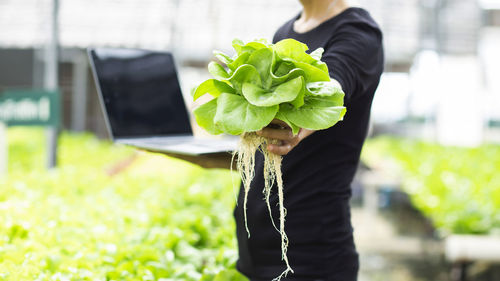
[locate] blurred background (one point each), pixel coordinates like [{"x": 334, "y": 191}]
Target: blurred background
[{"x": 426, "y": 199}]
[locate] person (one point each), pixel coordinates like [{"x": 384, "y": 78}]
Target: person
[{"x": 318, "y": 166}]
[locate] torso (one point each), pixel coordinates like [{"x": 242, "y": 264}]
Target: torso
[{"x": 317, "y": 173}]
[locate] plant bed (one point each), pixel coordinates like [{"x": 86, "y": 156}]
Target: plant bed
[
  {"x": 457, "y": 188},
  {"x": 153, "y": 219}
]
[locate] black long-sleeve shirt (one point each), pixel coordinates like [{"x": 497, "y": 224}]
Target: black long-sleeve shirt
[{"x": 318, "y": 172}]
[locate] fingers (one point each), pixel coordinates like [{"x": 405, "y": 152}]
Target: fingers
[
  {"x": 277, "y": 134},
  {"x": 281, "y": 133},
  {"x": 280, "y": 149},
  {"x": 284, "y": 141}
]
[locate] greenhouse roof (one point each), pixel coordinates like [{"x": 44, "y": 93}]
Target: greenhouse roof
[
  {"x": 141, "y": 24},
  {"x": 25, "y": 23}
]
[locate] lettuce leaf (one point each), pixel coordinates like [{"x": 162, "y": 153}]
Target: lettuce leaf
[
  {"x": 225, "y": 59},
  {"x": 312, "y": 73},
  {"x": 262, "y": 60},
  {"x": 324, "y": 88},
  {"x": 239, "y": 61},
  {"x": 293, "y": 49},
  {"x": 235, "y": 115},
  {"x": 244, "y": 74},
  {"x": 282, "y": 117},
  {"x": 263, "y": 81},
  {"x": 204, "y": 115},
  {"x": 213, "y": 87},
  {"x": 316, "y": 54},
  {"x": 217, "y": 71},
  {"x": 299, "y": 100},
  {"x": 285, "y": 92},
  {"x": 317, "y": 113}
]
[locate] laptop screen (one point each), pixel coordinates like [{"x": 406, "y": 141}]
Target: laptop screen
[{"x": 140, "y": 92}]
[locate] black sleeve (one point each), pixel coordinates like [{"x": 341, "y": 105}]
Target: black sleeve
[{"x": 354, "y": 57}]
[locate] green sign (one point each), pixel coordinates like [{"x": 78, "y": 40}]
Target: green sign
[{"x": 30, "y": 108}]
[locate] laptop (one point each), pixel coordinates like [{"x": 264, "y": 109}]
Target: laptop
[{"x": 143, "y": 105}]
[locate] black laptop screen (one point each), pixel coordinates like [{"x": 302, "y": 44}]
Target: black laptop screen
[{"x": 140, "y": 92}]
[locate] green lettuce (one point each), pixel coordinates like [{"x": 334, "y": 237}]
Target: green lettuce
[
  {"x": 264, "y": 81},
  {"x": 235, "y": 115}
]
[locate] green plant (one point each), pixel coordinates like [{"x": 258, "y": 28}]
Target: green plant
[
  {"x": 262, "y": 82},
  {"x": 155, "y": 219},
  {"x": 457, "y": 188}
]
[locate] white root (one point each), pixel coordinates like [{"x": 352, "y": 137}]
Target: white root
[
  {"x": 269, "y": 179},
  {"x": 248, "y": 145}
]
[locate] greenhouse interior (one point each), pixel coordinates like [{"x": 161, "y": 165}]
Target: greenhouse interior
[{"x": 75, "y": 204}]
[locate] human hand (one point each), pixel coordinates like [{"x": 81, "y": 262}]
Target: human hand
[{"x": 279, "y": 132}]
